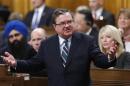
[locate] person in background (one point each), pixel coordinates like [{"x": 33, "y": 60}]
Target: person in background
[
  {"x": 15, "y": 35},
  {"x": 84, "y": 21},
  {"x": 1, "y": 39},
  {"x": 99, "y": 13},
  {"x": 81, "y": 7},
  {"x": 66, "y": 55},
  {"x": 15, "y": 16},
  {"x": 40, "y": 16},
  {"x": 123, "y": 23},
  {"x": 110, "y": 35},
  {"x": 37, "y": 35},
  {"x": 4, "y": 14}
]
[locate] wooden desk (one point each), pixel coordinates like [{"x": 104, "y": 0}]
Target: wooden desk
[
  {"x": 108, "y": 77},
  {"x": 7, "y": 79},
  {"x": 11, "y": 81},
  {"x": 36, "y": 81},
  {"x": 100, "y": 77}
]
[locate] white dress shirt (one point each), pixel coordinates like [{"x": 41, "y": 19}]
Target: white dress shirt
[
  {"x": 37, "y": 16},
  {"x": 98, "y": 14},
  {"x": 61, "y": 42}
]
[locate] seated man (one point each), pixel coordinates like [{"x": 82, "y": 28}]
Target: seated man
[
  {"x": 84, "y": 21},
  {"x": 37, "y": 35},
  {"x": 15, "y": 35}
]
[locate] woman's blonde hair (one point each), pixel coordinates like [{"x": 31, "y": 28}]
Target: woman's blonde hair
[{"x": 116, "y": 36}]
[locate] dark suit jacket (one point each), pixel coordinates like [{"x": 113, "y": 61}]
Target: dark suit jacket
[
  {"x": 76, "y": 73},
  {"x": 123, "y": 61},
  {"x": 45, "y": 19},
  {"x": 94, "y": 32},
  {"x": 24, "y": 53},
  {"x": 108, "y": 17}
]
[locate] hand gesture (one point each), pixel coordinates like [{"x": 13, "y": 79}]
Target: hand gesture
[
  {"x": 112, "y": 50},
  {"x": 9, "y": 59}
]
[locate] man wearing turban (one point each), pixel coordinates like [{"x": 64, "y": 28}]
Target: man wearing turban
[{"x": 15, "y": 35}]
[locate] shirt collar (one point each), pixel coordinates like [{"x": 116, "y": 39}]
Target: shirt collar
[
  {"x": 89, "y": 31},
  {"x": 99, "y": 12},
  {"x": 61, "y": 40}
]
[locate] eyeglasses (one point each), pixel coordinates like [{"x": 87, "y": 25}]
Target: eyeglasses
[
  {"x": 14, "y": 35},
  {"x": 64, "y": 23}
]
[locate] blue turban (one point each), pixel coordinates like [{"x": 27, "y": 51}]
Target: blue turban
[{"x": 15, "y": 25}]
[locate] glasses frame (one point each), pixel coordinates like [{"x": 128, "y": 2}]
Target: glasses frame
[{"x": 69, "y": 22}]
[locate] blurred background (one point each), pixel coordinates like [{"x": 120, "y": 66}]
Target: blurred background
[{"x": 23, "y": 6}]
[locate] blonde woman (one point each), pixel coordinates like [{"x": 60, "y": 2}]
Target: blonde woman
[{"x": 109, "y": 36}]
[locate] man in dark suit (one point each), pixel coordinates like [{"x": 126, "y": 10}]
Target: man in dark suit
[
  {"x": 40, "y": 16},
  {"x": 99, "y": 13},
  {"x": 67, "y": 55},
  {"x": 84, "y": 21}
]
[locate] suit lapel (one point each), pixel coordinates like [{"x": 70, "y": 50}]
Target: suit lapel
[
  {"x": 56, "y": 50},
  {"x": 74, "y": 44},
  {"x": 103, "y": 13},
  {"x": 73, "y": 47},
  {"x": 43, "y": 18}
]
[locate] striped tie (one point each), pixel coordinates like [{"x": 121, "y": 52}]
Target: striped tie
[{"x": 65, "y": 52}]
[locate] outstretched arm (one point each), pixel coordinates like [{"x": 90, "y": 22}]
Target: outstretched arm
[{"x": 9, "y": 59}]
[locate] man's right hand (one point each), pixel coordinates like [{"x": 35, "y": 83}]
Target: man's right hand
[{"x": 9, "y": 59}]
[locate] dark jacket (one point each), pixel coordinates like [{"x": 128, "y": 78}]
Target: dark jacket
[
  {"x": 77, "y": 71},
  {"x": 123, "y": 61},
  {"x": 108, "y": 17},
  {"x": 46, "y": 19},
  {"x": 24, "y": 53},
  {"x": 95, "y": 33}
]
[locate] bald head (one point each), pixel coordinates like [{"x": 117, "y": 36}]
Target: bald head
[
  {"x": 40, "y": 32},
  {"x": 37, "y": 35}
]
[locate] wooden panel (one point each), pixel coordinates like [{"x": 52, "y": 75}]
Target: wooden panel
[
  {"x": 126, "y": 3},
  {"x": 108, "y": 77},
  {"x": 54, "y": 3},
  {"x": 37, "y": 81},
  {"x": 72, "y": 4},
  {"x": 100, "y": 77},
  {"x": 23, "y": 6},
  {"x": 113, "y": 5},
  {"x": 7, "y": 3},
  {"x": 69, "y": 4}
]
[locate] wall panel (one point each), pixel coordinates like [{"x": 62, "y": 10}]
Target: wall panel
[
  {"x": 23, "y": 6},
  {"x": 8, "y": 3},
  {"x": 69, "y": 4}
]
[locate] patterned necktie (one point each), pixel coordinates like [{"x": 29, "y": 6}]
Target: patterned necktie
[{"x": 65, "y": 52}]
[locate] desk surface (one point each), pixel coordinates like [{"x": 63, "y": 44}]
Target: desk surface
[
  {"x": 100, "y": 77},
  {"x": 110, "y": 77}
]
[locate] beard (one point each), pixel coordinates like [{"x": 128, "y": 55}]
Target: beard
[{"x": 17, "y": 45}]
